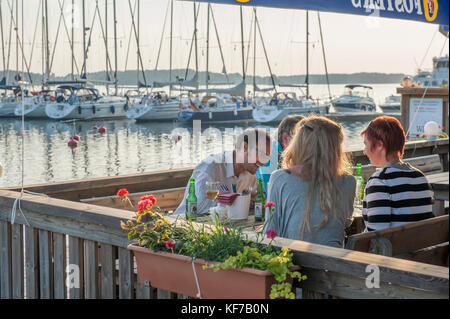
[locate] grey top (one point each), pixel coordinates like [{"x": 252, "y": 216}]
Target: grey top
[{"x": 289, "y": 193}]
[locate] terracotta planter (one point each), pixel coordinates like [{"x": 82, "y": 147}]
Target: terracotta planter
[{"x": 174, "y": 273}]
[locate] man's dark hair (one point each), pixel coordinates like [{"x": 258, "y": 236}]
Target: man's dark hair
[
  {"x": 287, "y": 125},
  {"x": 252, "y": 134}
]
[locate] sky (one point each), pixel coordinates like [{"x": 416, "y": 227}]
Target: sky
[{"x": 352, "y": 43}]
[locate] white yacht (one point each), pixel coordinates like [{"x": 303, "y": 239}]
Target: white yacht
[
  {"x": 34, "y": 106},
  {"x": 438, "y": 77},
  {"x": 391, "y": 103},
  {"x": 80, "y": 102},
  {"x": 8, "y": 99},
  {"x": 282, "y": 104},
  {"x": 357, "y": 98},
  {"x": 155, "y": 106}
]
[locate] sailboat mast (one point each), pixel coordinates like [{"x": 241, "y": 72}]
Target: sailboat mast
[
  {"x": 83, "y": 72},
  {"x": 207, "y": 48},
  {"x": 115, "y": 48},
  {"x": 73, "y": 38},
  {"x": 47, "y": 44},
  {"x": 324, "y": 57},
  {"x": 254, "y": 53},
  {"x": 195, "y": 41},
  {"x": 106, "y": 46},
  {"x": 171, "y": 40},
  {"x": 242, "y": 45},
  {"x": 3, "y": 43},
  {"x": 307, "y": 54},
  {"x": 138, "y": 40},
  {"x": 17, "y": 36}
]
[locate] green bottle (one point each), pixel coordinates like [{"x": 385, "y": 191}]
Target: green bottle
[
  {"x": 359, "y": 185},
  {"x": 260, "y": 201},
  {"x": 191, "y": 202}
]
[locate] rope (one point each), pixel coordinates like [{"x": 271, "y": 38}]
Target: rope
[
  {"x": 196, "y": 280},
  {"x": 17, "y": 201}
]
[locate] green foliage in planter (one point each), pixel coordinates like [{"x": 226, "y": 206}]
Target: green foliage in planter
[{"x": 222, "y": 243}]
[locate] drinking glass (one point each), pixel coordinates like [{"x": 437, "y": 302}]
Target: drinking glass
[{"x": 212, "y": 190}]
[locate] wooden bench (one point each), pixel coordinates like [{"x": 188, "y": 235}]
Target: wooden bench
[{"x": 423, "y": 241}]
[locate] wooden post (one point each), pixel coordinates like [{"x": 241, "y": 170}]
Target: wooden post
[
  {"x": 108, "y": 271},
  {"x": 31, "y": 263},
  {"x": 59, "y": 260},
  {"x": 75, "y": 280},
  {"x": 45, "y": 265},
  {"x": 5, "y": 260},
  {"x": 17, "y": 261},
  {"x": 126, "y": 286},
  {"x": 91, "y": 269}
]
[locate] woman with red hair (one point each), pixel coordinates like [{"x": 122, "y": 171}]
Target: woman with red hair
[{"x": 398, "y": 193}]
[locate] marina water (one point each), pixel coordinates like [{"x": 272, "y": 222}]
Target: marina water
[{"x": 127, "y": 147}]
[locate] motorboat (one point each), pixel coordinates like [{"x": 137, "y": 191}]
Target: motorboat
[
  {"x": 155, "y": 106},
  {"x": 80, "y": 102},
  {"x": 283, "y": 104},
  {"x": 357, "y": 98},
  {"x": 391, "y": 103},
  {"x": 437, "y": 78},
  {"x": 217, "y": 108}
]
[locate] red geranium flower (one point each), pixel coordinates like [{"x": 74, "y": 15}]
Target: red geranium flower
[
  {"x": 271, "y": 233},
  {"x": 269, "y": 204},
  {"x": 144, "y": 204},
  {"x": 151, "y": 198},
  {"x": 169, "y": 244},
  {"x": 122, "y": 192}
]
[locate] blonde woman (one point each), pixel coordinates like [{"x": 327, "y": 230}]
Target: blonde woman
[{"x": 314, "y": 192}]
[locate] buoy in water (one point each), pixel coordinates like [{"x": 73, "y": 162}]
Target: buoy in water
[
  {"x": 72, "y": 144},
  {"x": 101, "y": 130},
  {"x": 95, "y": 128},
  {"x": 75, "y": 137}
]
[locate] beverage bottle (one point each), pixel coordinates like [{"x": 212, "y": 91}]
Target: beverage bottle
[
  {"x": 260, "y": 201},
  {"x": 359, "y": 185},
  {"x": 191, "y": 202}
]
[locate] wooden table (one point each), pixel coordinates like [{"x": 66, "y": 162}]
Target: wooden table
[{"x": 439, "y": 183}]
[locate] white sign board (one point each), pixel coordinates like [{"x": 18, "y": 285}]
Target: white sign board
[{"x": 422, "y": 111}]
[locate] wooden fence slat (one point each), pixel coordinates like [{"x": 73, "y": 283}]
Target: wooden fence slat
[
  {"x": 45, "y": 265},
  {"x": 5, "y": 260},
  {"x": 144, "y": 291},
  {"x": 59, "y": 259},
  {"x": 75, "y": 269},
  {"x": 126, "y": 274},
  {"x": 91, "y": 269},
  {"x": 17, "y": 261},
  {"x": 31, "y": 263},
  {"x": 108, "y": 271},
  {"x": 164, "y": 294}
]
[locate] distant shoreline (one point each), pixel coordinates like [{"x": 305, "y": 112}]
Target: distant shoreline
[{"x": 130, "y": 77}]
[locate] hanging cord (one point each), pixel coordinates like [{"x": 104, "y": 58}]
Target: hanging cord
[
  {"x": 196, "y": 280},
  {"x": 17, "y": 201}
]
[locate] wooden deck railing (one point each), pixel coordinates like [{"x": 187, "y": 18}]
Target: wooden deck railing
[{"x": 34, "y": 259}]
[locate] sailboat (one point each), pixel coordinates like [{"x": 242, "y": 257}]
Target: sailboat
[
  {"x": 219, "y": 105},
  {"x": 281, "y": 104}
]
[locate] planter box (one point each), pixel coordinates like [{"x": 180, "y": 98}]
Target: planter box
[{"x": 174, "y": 273}]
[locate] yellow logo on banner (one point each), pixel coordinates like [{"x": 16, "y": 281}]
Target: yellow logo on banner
[
  {"x": 431, "y": 9},
  {"x": 243, "y": 1}
]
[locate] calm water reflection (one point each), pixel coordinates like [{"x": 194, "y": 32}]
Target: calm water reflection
[{"x": 126, "y": 147}]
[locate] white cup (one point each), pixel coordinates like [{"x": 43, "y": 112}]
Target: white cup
[{"x": 239, "y": 209}]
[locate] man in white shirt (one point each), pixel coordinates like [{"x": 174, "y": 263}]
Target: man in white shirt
[{"x": 234, "y": 170}]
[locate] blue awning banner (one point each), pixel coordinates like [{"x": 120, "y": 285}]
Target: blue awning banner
[{"x": 429, "y": 11}]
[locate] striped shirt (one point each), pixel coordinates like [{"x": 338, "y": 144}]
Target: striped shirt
[{"x": 396, "y": 195}]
